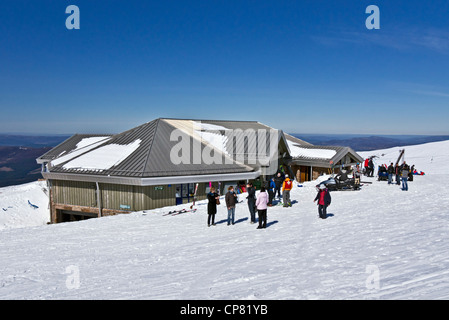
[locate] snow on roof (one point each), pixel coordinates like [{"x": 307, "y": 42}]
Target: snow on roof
[
  {"x": 83, "y": 146},
  {"x": 300, "y": 152},
  {"x": 104, "y": 157}
]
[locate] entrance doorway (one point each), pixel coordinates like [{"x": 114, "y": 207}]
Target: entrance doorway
[
  {"x": 184, "y": 193},
  {"x": 67, "y": 216},
  {"x": 301, "y": 172}
]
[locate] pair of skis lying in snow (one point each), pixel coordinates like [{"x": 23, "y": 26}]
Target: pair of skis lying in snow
[{"x": 176, "y": 212}]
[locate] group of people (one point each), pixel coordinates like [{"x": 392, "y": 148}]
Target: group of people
[
  {"x": 369, "y": 167},
  {"x": 277, "y": 183},
  {"x": 401, "y": 172},
  {"x": 260, "y": 203},
  {"x": 280, "y": 185}
]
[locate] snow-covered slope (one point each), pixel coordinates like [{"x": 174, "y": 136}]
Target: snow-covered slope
[
  {"x": 377, "y": 243},
  {"x": 15, "y": 210}
]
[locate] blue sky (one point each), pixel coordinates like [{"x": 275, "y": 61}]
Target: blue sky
[{"x": 301, "y": 66}]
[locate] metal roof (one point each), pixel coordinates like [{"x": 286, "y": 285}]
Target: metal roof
[
  {"x": 251, "y": 140},
  {"x": 340, "y": 153},
  {"x": 150, "y": 159}
]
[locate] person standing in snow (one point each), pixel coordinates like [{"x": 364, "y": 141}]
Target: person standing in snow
[
  {"x": 286, "y": 188},
  {"x": 271, "y": 191},
  {"x": 390, "y": 171},
  {"x": 231, "y": 199},
  {"x": 366, "y": 167},
  {"x": 251, "y": 201},
  {"x": 324, "y": 200},
  {"x": 212, "y": 196},
  {"x": 278, "y": 184},
  {"x": 410, "y": 173},
  {"x": 397, "y": 172},
  {"x": 405, "y": 172},
  {"x": 371, "y": 167},
  {"x": 261, "y": 204}
]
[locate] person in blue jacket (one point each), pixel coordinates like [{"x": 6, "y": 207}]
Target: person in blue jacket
[{"x": 271, "y": 190}]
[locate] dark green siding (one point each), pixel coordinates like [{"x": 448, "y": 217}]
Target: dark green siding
[
  {"x": 74, "y": 193},
  {"x": 136, "y": 198},
  {"x": 118, "y": 197}
]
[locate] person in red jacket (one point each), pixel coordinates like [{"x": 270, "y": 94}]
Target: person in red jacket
[
  {"x": 324, "y": 200},
  {"x": 366, "y": 167}
]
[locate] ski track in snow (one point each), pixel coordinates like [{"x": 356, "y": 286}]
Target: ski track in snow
[{"x": 150, "y": 256}]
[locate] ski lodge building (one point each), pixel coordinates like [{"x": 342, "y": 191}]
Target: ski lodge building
[{"x": 160, "y": 162}]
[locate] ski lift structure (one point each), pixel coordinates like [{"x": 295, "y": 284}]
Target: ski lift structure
[{"x": 401, "y": 156}]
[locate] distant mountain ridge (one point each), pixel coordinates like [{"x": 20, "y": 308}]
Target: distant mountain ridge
[
  {"x": 33, "y": 141},
  {"x": 18, "y": 155},
  {"x": 368, "y": 143},
  {"x": 18, "y": 165}
]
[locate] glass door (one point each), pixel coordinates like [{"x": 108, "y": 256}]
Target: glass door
[{"x": 184, "y": 193}]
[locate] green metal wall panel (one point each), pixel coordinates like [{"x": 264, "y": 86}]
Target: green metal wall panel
[
  {"x": 74, "y": 193},
  {"x": 119, "y": 197}
]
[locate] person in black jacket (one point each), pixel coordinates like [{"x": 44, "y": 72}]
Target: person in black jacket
[
  {"x": 371, "y": 167},
  {"x": 251, "y": 201},
  {"x": 397, "y": 171},
  {"x": 390, "y": 171},
  {"x": 278, "y": 180},
  {"x": 410, "y": 174},
  {"x": 324, "y": 200},
  {"x": 212, "y": 196}
]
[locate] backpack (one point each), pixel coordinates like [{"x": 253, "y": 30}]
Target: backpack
[{"x": 288, "y": 184}]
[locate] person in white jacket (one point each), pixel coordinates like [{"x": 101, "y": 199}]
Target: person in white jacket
[{"x": 261, "y": 204}]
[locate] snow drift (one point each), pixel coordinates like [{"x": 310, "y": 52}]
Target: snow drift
[{"x": 15, "y": 210}]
